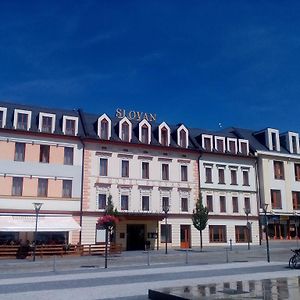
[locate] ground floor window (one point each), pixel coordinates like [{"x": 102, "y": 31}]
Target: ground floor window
[
  {"x": 163, "y": 233},
  {"x": 217, "y": 234},
  {"x": 241, "y": 234},
  {"x": 9, "y": 238},
  {"x": 53, "y": 238}
]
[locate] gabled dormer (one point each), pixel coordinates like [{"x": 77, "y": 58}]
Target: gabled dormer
[
  {"x": 125, "y": 130},
  {"x": 207, "y": 142},
  {"x": 164, "y": 134},
  {"x": 3, "y": 113},
  {"x": 22, "y": 119},
  {"x": 104, "y": 127},
  {"x": 291, "y": 142},
  {"x": 182, "y": 136},
  {"x": 272, "y": 139},
  {"x": 145, "y": 132}
]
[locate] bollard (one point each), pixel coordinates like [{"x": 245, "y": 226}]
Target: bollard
[
  {"x": 186, "y": 257},
  {"x": 54, "y": 263},
  {"x": 227, "y": 260},
  {"x": 148, "y": 258},
  {"x": 230, "y": 242}
]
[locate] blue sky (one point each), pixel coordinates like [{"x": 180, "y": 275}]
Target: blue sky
[{"x": 197, "y": 62}]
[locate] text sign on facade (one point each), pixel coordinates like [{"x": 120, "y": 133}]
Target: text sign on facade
[{"x": 135, "y": 115}]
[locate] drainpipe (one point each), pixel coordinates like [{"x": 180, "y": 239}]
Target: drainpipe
[{"x": 258, "y": 198}]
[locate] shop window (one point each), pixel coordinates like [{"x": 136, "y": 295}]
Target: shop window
[
  {"x": 103, "y": 166},
  {"x": 19, "y": 152},
  {"x": 67, "y": 189},
  {"x": 209, "y": 203},
  {"x": 278, "y": 169},
  {"x": 17, "y": 186},
  {"x": 217, "y": 234},
  {"x": 145, "y": 203},
  {"x": 276, "y": 199},
  {"x": 42, "y": 187},
  {"x": 68, "y": 155},
  {"x": 241, "y": 234},
  {"x": 166, "y": 233},
  {"x": 44, "y": 153}
]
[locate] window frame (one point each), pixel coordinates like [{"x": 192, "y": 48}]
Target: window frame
[
  {"x": 142, "y": 138},
  {"x": 42, "y": 190},
  {"x": 17, "y": 190},
  {"x": 164, "y": 127},
  {"x": 4, "y": 111},
  {"x": 42, "y": 154},
  {"x": 25, "y": 112},
  {"x": 17, "y": 152},
  {"x": 70, "y": 118},
  {"x": 105, "y": 173},
  {"x": 276, "y": 199},
  {"x": 47, "y": 115},
  {"x": 68, "y": 161},
  {"x": 107, "y": 119},
  {"x": 221, "y": 233},
  {"x": 101, "y": 207},
  {"x": 165, "y": 174},
  {"x": 67, "y": 191}
]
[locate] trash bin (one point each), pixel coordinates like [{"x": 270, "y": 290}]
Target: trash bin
[{"x": 147, "y": 245}]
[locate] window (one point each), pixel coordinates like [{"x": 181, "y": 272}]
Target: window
[
  {"x": 217, "y": 234},
  {"x": 208, "y": 175},
  {"x": 207, "y": 144},
  {"x": 125, "y": 132},
  {"x": 44, "y": 153},
  {"x": 232, "y": 147},
  {"x": 46, "y": 124},
  {"x": 104, "y": 129},
  {"x": 243, "y": 148},
  {"x": 222, "y": 204},
  {"x": 101, "y": 201},
  {"x": 164, "y": 136},
  {"x": 209, "y": 203},
  {"x": 233, "y": 177},
  {"x": 247, "y": 203},
  {"x": 67, "y": 188},
  {"x": 184, "y": 173},
  {"x": 278, "y": 170},
  {"x": 145, "y": 134},
  {"x": 19, "y": 151},
  {"x": 241, "y": 234},
  {"x": 17, "y": 186},
  {"x": 296, "y": 200},
  {"x": 1, "y": 118},
  {"x": 145, "y": 203},
  {"x": 125, "y": 168},
  {"x": 246, "y": 177},
  {"x": 165, "y": 233},
  {"x": 42, "y": 187},
  {"x": 221, "y": 176},
  {"x": 294, "y": 144},
  {"x": 145, "y": 170},
  {"x": 70, "y": 127},
  {"x": 235, "y": 204},
  {"x": 124, "y": 202},
  {"x": 276, "y": 199},
  {"x": 68, "y": 155},
  {"x": 165, "y": 171},
  {"x": 184, "y": 204},
  {"x": 273, "y": 141},
  {"x": 103, "y": 166},
  {"x": 182, "y": 138},
  {"x": 22, "y": 121},
  {"x": 297, "y": 172},
  {"x": 165, "y": 202},
  {"x": 220, "y": 145}
]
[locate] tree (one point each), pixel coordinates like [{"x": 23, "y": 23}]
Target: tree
[
  {"x": 110, "y": 210},
  {"x": 200, "y": 217}
]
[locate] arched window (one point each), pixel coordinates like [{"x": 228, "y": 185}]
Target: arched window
[
  {"x": 182, "y": 138},
  {"x": 125, "y": 132},
  {"x": 164, "y": 136},
  {"x": 104, "y": 129},
  {"x": 145, "y": 134}
]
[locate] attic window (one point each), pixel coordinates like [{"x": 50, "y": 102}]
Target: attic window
[
  {"x": 145, "y": 134},
  {"x": 273, "y": 141},
  {"x": 22, "y": 119},
  {"x": 3, "y": 111},
  {"x": 70, "y": 125},
  {"x": 164, "y": 136},
  {"x": 182, "y": 138},
  {"x": 207, "y": 144},
  {"x": 46, "y": 122},
  {"x": 125, "y": 132},
  {"x": 104, "y": 129}
]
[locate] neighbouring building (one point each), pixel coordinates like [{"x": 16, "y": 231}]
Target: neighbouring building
[{"x": 40, "y": 162}]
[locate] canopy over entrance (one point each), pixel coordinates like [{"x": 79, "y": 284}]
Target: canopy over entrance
[{"x": 45, "y": 223}]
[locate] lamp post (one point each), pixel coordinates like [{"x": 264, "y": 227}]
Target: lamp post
[
  {"x": 166, "y": 210},
  {"x": 247, "y": 212},
  {"x": 296, "y": 227},
  {"x": 37, "y": 207},
  {"x": 266, "y": 231}
]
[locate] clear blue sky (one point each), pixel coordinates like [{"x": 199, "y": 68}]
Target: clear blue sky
[{"x": 197, "y": 62}]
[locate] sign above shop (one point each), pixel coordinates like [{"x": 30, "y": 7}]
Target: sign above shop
[{"x": 135, "y": 115}]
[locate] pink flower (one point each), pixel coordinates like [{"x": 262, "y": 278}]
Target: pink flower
[{"x": 107, "y": 221}]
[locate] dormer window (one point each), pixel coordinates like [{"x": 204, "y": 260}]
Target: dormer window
[
  {"x": 182, "y": 136},
  {"x": 244, "y": 147},
  {"x": 104, "y": 127},
  {"x": 207, "y": 142},
  {"x": 273, "y": 139},
  {"x": 164, "y": 134},
  {"x": 22, "y": 119},
  {"x": 220, "y": 144},
  {"x": 125, "y": 130},
  {"x": 145, "y": 132},
  {"x": 3, "y": 111},
  {"x": 292, "y": 140},
  {"x": 46, "y": 122},
  {"x": 231, "y": 146},
  {"x": 70, "y": 125}
]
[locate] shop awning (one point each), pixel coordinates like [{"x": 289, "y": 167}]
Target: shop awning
[{"x": 45, "y": 223}]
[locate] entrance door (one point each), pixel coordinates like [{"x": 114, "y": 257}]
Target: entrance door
[
  {"x": 185, "y": 236},
  {"x": 135, "y": 237}
]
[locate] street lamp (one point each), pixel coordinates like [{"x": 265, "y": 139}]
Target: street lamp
[
  {"x": 37, "y": 207},
  {"x": 166, "y": 210},
  {"x": 266, "y": 231},
  {"x": 247, "y": 212},
  {"x": 296, "y": 225}
]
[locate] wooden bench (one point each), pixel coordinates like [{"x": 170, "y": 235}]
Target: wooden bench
[
  {"x": 48, "y": 250},
  {"x": 9, "y": 251},
  {"x": 99, "y": 249}
]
